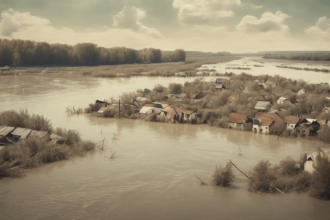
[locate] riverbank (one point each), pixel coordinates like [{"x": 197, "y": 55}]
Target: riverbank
[{"x": 187, "y": 68}]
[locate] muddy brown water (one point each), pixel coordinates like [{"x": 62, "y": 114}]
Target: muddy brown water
[{"x": 153, "y": 173}]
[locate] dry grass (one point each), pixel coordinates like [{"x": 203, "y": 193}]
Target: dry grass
[{"x": 24, "y": 120}]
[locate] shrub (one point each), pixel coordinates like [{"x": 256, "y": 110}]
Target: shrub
[
  {"x": 321, "y": 177},
  {"x": 176, "y": 87},
  {"x": 223, "y": 176}
]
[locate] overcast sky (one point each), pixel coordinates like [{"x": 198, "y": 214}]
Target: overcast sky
[{"x": 200, "y": 25}]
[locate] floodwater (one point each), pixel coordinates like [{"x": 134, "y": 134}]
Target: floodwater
[
  {"x": 269, "y": 67},
  {"x": 153, "y": 173}
]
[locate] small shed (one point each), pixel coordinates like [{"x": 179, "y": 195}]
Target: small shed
[
  {"x": 5, "y": 68},
  {"x": 196, "y": 95},
  {"x": 173, "y": 114},
  {"x": 262, "y": 106},
  {"x": 238, "y": 121},
  {"x": 139, "y": 100}
]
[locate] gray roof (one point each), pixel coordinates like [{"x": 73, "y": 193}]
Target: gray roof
[
  {"x": 22, "y": 132},
  {"x": 39, "y": 134},
  {"x": 4, "y": 131},
  {"x": 262, "y": 105}
]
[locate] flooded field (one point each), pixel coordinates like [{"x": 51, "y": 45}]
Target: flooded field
[
  {"x": 153, "y": 173},
  {"x": 268, "y": 66}
]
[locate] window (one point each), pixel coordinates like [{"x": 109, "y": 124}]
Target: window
[{"x": 266, "y": 128}]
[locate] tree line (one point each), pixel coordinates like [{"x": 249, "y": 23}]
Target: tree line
[{"x": 30, "y": 53}]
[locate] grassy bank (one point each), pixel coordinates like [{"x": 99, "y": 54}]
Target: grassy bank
[{"x": 33, "y": 152}]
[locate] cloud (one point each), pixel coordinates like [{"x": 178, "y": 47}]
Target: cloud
[
  {"x": 203, "y": 11},
  {"x": 268, "y": 22},
  {"x": 253, "y": 6},
  {"x": 129, "y": 18},
  {"x": 321, "y": 29},
  {"x": 13, "y": 21}
]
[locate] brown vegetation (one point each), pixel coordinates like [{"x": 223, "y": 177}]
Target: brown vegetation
[
  {"x": 314, "y": 57},
  {"x": 223, "y": 176},
  {"x": 33, "y": 152}
]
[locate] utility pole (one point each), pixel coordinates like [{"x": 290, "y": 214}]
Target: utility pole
[{"x": 119, "y": 108}]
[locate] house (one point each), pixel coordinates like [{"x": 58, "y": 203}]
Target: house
[
  {"x": 265, "y": 123},
  {"x": 219, "y": 81},
  {"x": 262, "y": 106},
  {"x": 238, "y": 121},
  {"x": 291, "y": 122},
  {"x": 4, "y": 132},
  {"x": 173, "y": 114},
  {"x": 308, "y": 127},
  {"x": 284, "y": 101},
  {"x": 312, "y": 160},
  {"x": 301, "y": 91},
  {"x": 146, "y": 110}
]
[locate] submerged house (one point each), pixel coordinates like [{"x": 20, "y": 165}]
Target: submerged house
[
  {"x": 266, "y": 123},
  {"x": 238, "y": 121},
  {"x": 173, "y": 114},
  {"x": 308, "y": 127},
  {"x": 291, "y": 122},
  {"x": 21, "y": 133},
  {"x": 196, "y": 95},
  {"x": 262, "y": 106}
]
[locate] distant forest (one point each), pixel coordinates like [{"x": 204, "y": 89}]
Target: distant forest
[
  {"x": 314, "y": 57},
  {"x": 29, "y": 53}
]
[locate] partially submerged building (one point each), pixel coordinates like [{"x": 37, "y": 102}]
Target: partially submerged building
[
  {"x": 291, "y": 122},
  {"x": 175, "y": 114},
  {"x": 308, "y": 127},
  {"x": 4, "y": 133},
  {"x": 267, "y": 123},
  {"x": 238, "y": 121}
]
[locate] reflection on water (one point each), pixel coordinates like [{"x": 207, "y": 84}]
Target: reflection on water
[{"x": 153, "y": 174}]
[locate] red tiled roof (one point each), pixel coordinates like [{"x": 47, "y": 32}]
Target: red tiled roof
[
  {"x": 291, "y": 119},
  {"x": 238, "y": 118}
]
